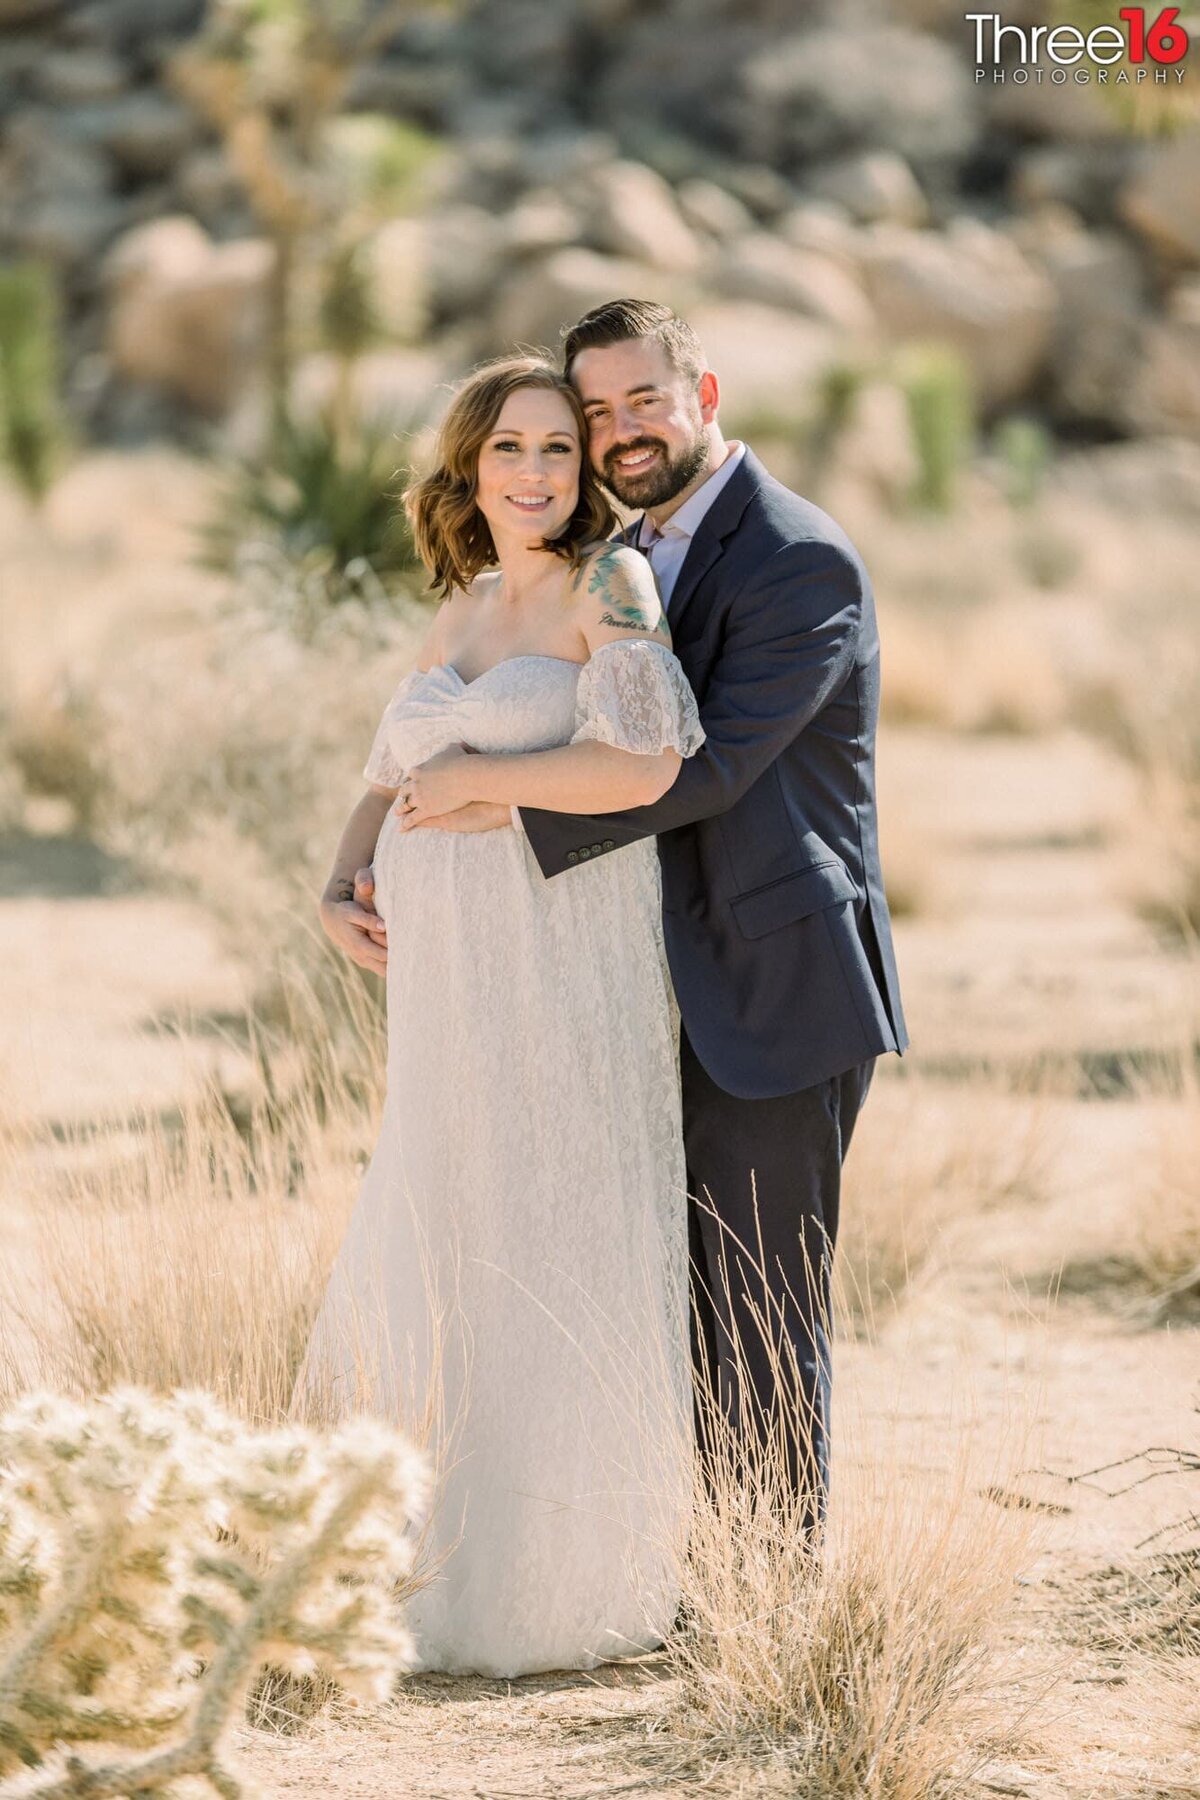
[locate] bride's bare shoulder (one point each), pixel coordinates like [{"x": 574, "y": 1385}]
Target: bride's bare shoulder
[
  {"x": 617, "y": 586},
  {"x": 433, "y": 646}
]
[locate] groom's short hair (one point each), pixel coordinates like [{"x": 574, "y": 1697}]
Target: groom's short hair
[{"x": 621, "y": 321}]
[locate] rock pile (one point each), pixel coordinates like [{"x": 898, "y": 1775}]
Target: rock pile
[{"x": 810, "y": 181}]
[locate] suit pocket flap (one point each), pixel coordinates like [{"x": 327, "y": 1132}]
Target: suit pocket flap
[{"x": 792, "y": 897}]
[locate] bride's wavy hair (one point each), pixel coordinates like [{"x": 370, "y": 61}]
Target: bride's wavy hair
[{"x": 452, "y": 537}]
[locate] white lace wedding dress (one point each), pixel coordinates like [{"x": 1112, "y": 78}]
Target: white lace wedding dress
[{"x": 519, "y": 1243}]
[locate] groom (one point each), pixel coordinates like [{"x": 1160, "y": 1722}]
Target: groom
[{"x": 776, "y": 924}]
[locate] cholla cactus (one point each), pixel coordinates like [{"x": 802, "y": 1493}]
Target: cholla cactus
[{"x": 155, "y": 1554}]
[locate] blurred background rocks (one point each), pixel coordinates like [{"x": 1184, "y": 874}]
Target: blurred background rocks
[{"x": 816, "y": 184}]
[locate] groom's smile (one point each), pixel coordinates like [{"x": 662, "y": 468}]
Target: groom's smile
[
  {"x": 648, "y": 422},
  {"x": 624, "y": 466}
]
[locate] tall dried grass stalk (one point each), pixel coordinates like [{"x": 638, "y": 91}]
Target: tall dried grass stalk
[
  {"x": 861, "y": 1662},
  {"x": 190, "y": 1250}
]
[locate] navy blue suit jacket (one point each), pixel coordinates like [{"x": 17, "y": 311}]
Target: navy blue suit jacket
[{"x": 776, "y": 924}]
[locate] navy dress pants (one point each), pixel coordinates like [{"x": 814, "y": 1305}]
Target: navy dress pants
[{"x": 764, "y": 1184}]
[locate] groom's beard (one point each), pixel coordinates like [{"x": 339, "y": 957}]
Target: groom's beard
[{"x": 664, "y": 478}]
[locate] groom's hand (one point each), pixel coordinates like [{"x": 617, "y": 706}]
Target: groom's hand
[{"x": 477, "y": 815}]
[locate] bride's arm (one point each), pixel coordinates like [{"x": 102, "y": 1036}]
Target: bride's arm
[
  {"x": 356, "y": 929},
  {"x": 585, "y": 777},
  {"x": 621, "y": 604},
  {"x": 353, "y": 928}
]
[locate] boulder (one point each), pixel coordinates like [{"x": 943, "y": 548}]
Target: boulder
[
  {"x": 1084, "y": 177},
  {"x": 207, "y": 186},
  {"x": 856, "y": 86},
  {"x": 130, "y": 26},
  {"x": 1065, "y": 112},
  {"x": 185, "y": 314},
  {"x": 762, "y": 190},
  {"x": 69, "y": 230},
  {"x": 540, "y": 222},
  {"x": 822, "y": 227},
  {"x": 539, "y": 300},
  {"x": 764, "y": 268},
  {"x": 146, "y": 133},
  {"x": 55, "y": 198},
  {"x": 397, "y": 388},
  {"x": 557, "y": 158},
  {"x": 27, "y": 12},
  {"x": 1161, "y": 199},
  {"x": 69, "y": 77},
  {"x": 875, "y": 185},
  {"x": 397, "y": 258},
  {"x": 970, "y": 287},
  {"x": 876, "y": 450},
  {"x": 1166, "y": 390},
  {"x": 769, "y": 362},
  {"x": 37, "y": 161},
  {"x": 1101, "y": 317},
  {"x": 631, "y": 211},
  {"x": 464, "y": 259},
  {"x": 1134, "y": 480},
  {"x": 712, "y": 209}
]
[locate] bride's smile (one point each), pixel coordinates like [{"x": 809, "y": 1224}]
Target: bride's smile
[{"x": 528, "y": 476}]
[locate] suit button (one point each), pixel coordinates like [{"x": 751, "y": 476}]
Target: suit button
[
  {"x": 596, "y": 849},
  {"x": 572, "y": 856},
  {"x": 583, "y": 853},
  {"x": 609, "y": 844}
]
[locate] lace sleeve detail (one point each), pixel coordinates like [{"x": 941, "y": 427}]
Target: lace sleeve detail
[
  {"x": 634, "y": 694},
  {"x": 381, "y": 765}
]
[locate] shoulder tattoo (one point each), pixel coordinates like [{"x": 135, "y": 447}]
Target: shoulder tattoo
[{"x": 624, "y": 607}]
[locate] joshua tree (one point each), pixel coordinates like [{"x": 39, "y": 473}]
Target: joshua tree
[{"x": 272, "y": 76}]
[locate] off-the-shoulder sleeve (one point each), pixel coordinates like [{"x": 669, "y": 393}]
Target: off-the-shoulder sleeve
[
  {"x": 381, "y": 765},
  {"x": 634, "y": 694}
]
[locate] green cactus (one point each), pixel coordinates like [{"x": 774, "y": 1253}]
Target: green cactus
[
  {"x": 834, "y": 402},
  {"x": 1026, "y": 450},
  {"x": 936, "y": 384},
  {"x": 29, "y": 424}
]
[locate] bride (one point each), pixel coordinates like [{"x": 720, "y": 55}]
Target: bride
[{"x": 515, "y": 1269}]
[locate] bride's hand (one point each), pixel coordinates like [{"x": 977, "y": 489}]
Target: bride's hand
[{"x": 438, "y": 786}]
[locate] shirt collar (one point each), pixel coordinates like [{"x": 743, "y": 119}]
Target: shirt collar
[{"x": 685, "y": 522}]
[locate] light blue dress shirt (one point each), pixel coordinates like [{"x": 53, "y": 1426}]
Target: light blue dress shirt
[{"x": 666, "y": 549}]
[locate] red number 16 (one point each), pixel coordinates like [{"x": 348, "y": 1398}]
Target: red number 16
[{"x": 1166, "y": 41}]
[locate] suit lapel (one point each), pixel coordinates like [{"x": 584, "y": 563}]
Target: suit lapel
[{"x": 708, "y": 542}]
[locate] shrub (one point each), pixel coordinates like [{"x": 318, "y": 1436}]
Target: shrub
[{"x": 327, "y": 500}]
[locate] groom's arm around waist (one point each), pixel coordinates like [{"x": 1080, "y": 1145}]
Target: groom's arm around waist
[{"x": 790, "y": 643}]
